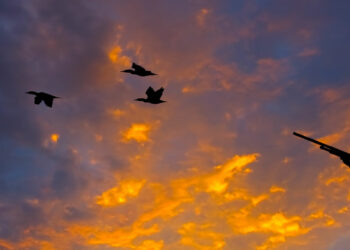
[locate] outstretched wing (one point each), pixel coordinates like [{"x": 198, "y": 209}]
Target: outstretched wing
[
  {"x": 137, "y": 67},
  {"x": 48, "y": 102},
  {"x": 158, "y": 94},
  {"x": 37, "y": 100},
  {"x": 150, "y": 92}
]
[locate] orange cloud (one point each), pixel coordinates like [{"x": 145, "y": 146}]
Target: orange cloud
[
  {"x": 6, "y": 244},
  {"x": 116, "y": 238},
  {"x": 55, "y": 137},
  {"x": 27, "y": 243},
  {"x": 218, "y": 181},
  {"x": 51, "y": 140},
  {"x": 138, "y": 132},
  {"x": 120, "y": 194},
  {"x": 167, "y": 204},
  {"x": 187, "y": 89},
  {"x": 338, "y": 180},
  {"x": 201, "y": 16},
  {"x": 150, "y": 245},
  {"x": 275, "y": 189},
  {"x": 115, "y": 56},
  {"x": 116, "y": 113},
  {"x": 332, "y": 138},
  {"x": 343, "y": 210},
  {"x": 278, "y": 224},
  {"x": 201, "y": 237},
  {"x": 327, "y": 220}
]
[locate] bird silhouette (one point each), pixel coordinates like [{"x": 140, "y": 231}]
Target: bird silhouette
[
  {"x": 152, "y": 96},
  {"x": 138, "y": 70},
  {"x": 41, "y": 96}
]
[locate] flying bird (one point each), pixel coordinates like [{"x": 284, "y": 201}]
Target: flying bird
[
  {"x": 152, "y": 96},
  {"x": 344, "y": 156},
  {"x": 41, "y": 96},
  {"x": 138, "y": 70}
]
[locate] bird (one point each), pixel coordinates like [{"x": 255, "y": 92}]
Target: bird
[
  {"x": 152, "y": 96},
  {"x": 138, "y": 70},
  {"x": 42, "y": 96}
]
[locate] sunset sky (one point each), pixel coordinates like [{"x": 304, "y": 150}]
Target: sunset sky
[{"x": 216, "y": 166}]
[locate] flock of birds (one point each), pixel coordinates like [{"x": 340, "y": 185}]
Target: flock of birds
[{"x": 153, "y": 97}]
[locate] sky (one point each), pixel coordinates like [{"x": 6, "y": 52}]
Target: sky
[{"x": 216, "y": 166}]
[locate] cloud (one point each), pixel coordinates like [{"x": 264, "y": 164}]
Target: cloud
[
  {"x": 200, "y": 237},
  {"x": 98, "y": 171},
  {"x": 150, "y": 244},
  {"x": 202, "y": 16},
  {"x": 55, "y": 137},
  {"x": 165, "y": 205},
  {"x": 138, "y": 132},
  {"x": 114, "y": 56},
  {"x": 119, "y": 194}
]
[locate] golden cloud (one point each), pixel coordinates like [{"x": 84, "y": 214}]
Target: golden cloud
[
  {"x": 55, "y": 137},
  {"x": 278, "y": 224},
  {"x": 166, "y": 205},
  {"x": 119, "y": 195},
  {"x": 150, "y": 245},
  {"x": 275, "y": 189},
  {"x": 138, "y": 132},
  {"x": 201, "y": 237},
  {"x": 218, "y": 181},
  {"x": 115, "y": 56},
  {"x": 51, "y": 140},
  {"x": 116, "y": 238}
]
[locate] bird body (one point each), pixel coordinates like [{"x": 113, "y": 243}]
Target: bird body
[
  {"x": 42, "y": 96},
  {"x": 153, "y": 97},
  {"x": 138, "y": 70}
]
